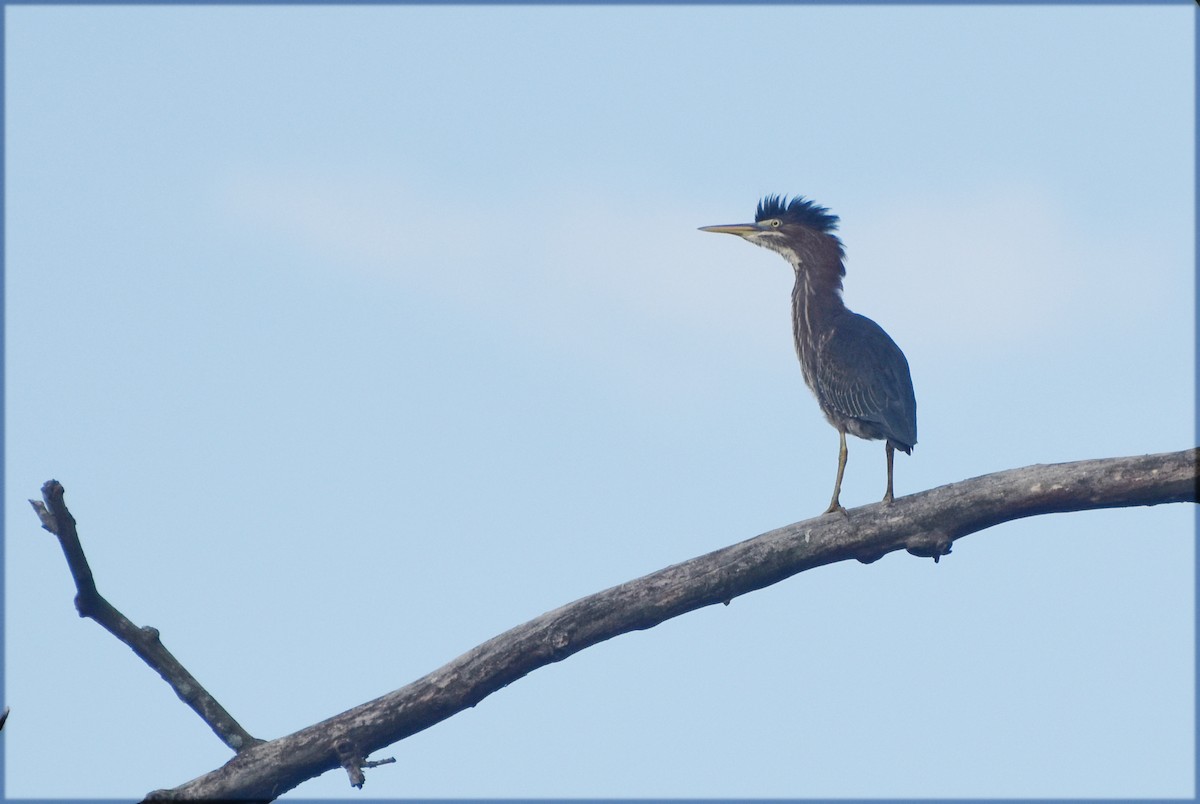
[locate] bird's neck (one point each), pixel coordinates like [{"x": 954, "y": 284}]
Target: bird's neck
[
  {"x": 817, "y": 295},
  {"x": 816, "y": 304}
]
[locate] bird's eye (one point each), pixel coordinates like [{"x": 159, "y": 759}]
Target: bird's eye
[{"x": 775, "y": 223}]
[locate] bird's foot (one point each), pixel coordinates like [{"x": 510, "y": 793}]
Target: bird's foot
[{"x": 835, "y": 507}]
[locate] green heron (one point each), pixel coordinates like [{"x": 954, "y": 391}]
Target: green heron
[{"x": 857, "y": 372}]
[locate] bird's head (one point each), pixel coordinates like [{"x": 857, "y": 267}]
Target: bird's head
[{"x": 793, "y": 228}]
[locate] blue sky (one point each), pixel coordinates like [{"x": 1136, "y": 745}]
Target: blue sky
[{"x": 360, "y": 335}]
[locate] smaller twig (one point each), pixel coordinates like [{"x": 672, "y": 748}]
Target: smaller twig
[
  {"x": 4, "y": 716},
  {"x": 143, "y": 641},
  {"x": 375, "y": 763}
]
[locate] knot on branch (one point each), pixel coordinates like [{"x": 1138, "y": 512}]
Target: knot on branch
[
  {"x": 929, "y": 545},
  {"x": 870, "y": 556},
  {"x": 559, "y": 640}
]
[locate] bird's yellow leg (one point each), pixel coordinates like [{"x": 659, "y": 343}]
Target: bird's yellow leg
[
  {"x": 834, "y": 505},
  {"x": 887, "y": 497}
]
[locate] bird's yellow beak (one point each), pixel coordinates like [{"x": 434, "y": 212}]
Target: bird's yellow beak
[{"x": 739, "y": 229}]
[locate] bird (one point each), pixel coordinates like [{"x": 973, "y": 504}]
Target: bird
[{"x": 858, "y": 374}]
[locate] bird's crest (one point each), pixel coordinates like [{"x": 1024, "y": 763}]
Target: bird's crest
[{"x": 797, "y": 210}]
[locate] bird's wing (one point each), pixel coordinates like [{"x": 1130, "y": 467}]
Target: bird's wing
[{"x": 863, "y": 374}]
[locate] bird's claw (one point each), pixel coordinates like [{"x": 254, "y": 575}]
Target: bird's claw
[{"x": 836, "y": 507}]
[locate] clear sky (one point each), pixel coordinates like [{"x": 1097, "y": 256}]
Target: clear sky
[{"x": 360, "y": 335}]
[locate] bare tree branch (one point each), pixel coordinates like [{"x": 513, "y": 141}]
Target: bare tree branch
[
  {"x": 926, "y": 524},
  {"x": 144, "y": 641}
]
